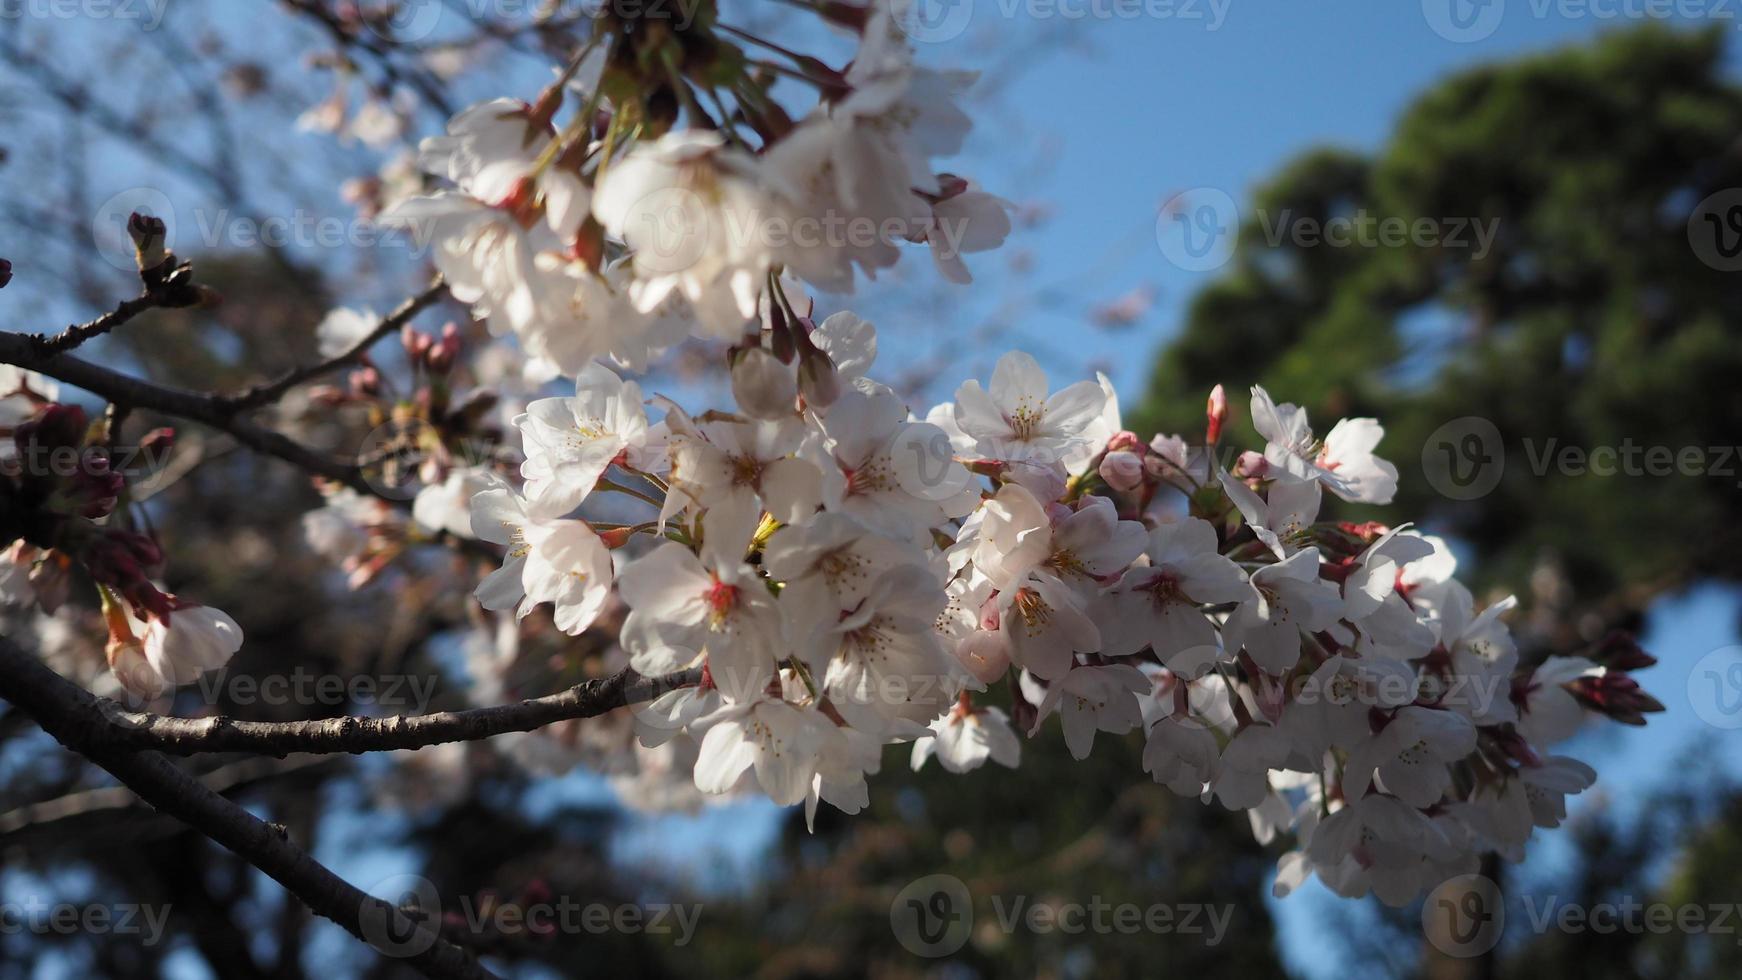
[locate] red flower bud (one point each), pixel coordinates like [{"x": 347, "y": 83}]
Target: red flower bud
[{"x": 1216, "y": 413}]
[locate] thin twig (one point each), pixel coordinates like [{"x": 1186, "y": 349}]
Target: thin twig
[
  {"x": 269, "y": 392},
  {"x": 78, "y": 333}
]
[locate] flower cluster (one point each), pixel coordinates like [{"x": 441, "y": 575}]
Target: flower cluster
[
  {"x": 615, "y": 236},
  {"x": 824, "y": 570},
  {"x": 854, "y": 574},
  {"x": 60, "y": 508},
  {"x": 843, "y": 572}
]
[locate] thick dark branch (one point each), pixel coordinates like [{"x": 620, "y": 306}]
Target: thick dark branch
[
  {"x": 209, "y": 409},
  {"x": 187, "y": 736},
  {"x": 24, "y": 351},
  {"x": 266, "y": 394},
  {"x": 73, "y": 716},
  {"x": 223, "y": 779}
]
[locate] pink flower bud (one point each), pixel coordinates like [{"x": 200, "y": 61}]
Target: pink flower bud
[
  {"x": 1125, "y": 441},
  {"x": 1217, "y": 414},
  {"x": 1122, "y": 470},
  {"x": 365, "y": 383},
  {"x": 818, "y": 380},
  {"x": 1252, "y": 466}
]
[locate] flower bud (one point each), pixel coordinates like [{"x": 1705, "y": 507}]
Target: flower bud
[
  {"x": 1620, "y": 650},
  {"x": 1126, "y": 441},
  {"x": 1252, "y": 466},
  {"x": 762, "y": 386},
  {"x": 1216, "y": 413},
  {"x": 444, "y": 354},
  {"x": 1616, "y": 695},
  {"x": 1122, "y": 470},
  {"x": 365, "y": 383},
  {"x": 985, "y": 653},
  {"x": 126, "y": 653},
  {"x": 615, "y": 537},
  {"x": 415, "y": 342},
  {"x": 818, "y": 380},
  {"x": 150, "y": 249}
]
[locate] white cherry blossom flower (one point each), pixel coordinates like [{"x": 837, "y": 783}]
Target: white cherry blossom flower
[
  {"x": 1372, "y": 602},
  {"x": 446, "y": 507},
  {"x": 850, "y": 342},
  {"x": 783, "y": 742},
  {"x": 683, "y": 605},
  {"x": 1410, "y": 755},
  {"x": 1344, "y": 462},
  {"x": 344, "y": 328},
  {"x": 742, "y": 463},
  {"x": 1091, "y": 699},
  {"x": 880, "y": 663},
  {"x": 1549, "y": 713},
  {"x": 1281, "y": 518},
  {"x": 1242, "y": 777},
  {"x": 1159, "y": 605},
  {"x": 964, "y": 738},
  {"x": 830, "y": 565},
  {"x": 171, "y": 653},
  {"x": 869, "y": 470},
  {"x": 1182, "y": 756},
  {"x": 1016, "y": 419},
  {"x": 1286, "y": 599},
  {"x": 690, "y": 208},
  {"x": 570, "y": 442}
]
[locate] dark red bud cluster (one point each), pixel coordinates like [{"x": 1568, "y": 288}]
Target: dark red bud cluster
[
  {"x": 1620, "y": 650},
  {"x": 57, "y": 470},
  {"x": 126, "y": 561},
  {"x": 1616, "y": 695}
]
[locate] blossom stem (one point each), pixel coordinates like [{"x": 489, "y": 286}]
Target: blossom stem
[{"x": 611, "y": 486}]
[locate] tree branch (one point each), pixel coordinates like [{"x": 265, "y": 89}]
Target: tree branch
[
  {"x": 22, "y": 350},
  {"x": 132, "y": 730},
  {"x": 267, "y": 393},
  {"x": 78, "y": 333},
  {"x": 75, "y": 718}
]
